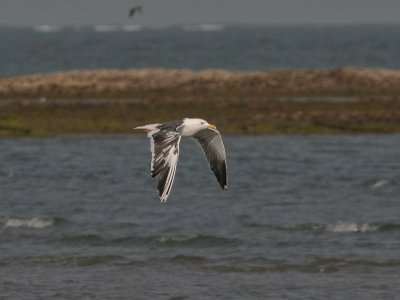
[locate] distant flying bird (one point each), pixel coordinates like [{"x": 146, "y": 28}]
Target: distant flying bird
[
  {"x": 164, "y": 146},
  {"x": 134, "y": 10}
]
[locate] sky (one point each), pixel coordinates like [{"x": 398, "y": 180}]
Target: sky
[{"x": 169, "y": 12}]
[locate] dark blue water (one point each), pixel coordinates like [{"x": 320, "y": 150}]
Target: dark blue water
[
  {"x": 306, "y": 217},
  {"x": 26, "y": 50}
]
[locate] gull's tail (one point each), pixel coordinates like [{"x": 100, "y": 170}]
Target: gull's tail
[{"x": 150, "y": 128}]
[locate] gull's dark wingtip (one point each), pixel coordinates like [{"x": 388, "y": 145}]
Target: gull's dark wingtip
[{"x": 223, "y": 177}]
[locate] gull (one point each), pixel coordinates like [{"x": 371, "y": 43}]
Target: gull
[
  {"x": 133, "y": 10},
  {"x": 164, "y": 147}
]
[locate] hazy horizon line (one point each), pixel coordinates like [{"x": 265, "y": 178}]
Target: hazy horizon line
[{"x": 316, "y": 23}]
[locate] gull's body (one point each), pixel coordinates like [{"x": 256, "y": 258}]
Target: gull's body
[{"x": 164, "y": 146}]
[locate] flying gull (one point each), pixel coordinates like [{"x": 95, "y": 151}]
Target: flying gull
[
  {"x": 164, "y": 146},
  {"x": 133, "y": 10}
]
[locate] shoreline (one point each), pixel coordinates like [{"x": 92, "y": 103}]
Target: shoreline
[{"x": 345, "y": 100}]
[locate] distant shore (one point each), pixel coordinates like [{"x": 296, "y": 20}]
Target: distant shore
[{"x": 278, "y": 101}]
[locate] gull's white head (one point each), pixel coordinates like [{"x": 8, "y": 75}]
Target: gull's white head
[{"x": 193, "y": 125}]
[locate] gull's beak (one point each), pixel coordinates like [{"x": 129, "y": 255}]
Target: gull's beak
[{"x": 211, "y": 126}]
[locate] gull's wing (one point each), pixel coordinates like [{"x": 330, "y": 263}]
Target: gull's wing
[
  {"x": 164, "y": 146},
  {"x": 133, "y": 10},
  {"x": 213, "y": 147}
]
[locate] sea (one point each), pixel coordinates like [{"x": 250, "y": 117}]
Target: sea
[
  {"x": 305, "y": 217},
  {"x": 47, "y": 48}
]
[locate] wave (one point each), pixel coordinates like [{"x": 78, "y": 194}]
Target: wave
[
  {"x": 221, "y": 264},
  {"x": 338, "y": 227},
  {"x": 89, "y": 260},
  {"x": 265, "y": 265},
  {"x": 37, "y": 223},
  {"x": 47, "y": 28},
  {"x": 188, "y": 259},
  {"x": 345, "y": 227},
  {"x": 131, "y": 28},
  {"x": 351, "y": 227},
  {"x": 315, "y": 265},
  {"x": 205, "y": 240},
  {"x": 105, "y": 28},
  {"x": 178, "y": 240},
  {"x": 203, "y": 27},
  {"x": 67, "y": 260},
  {"x": 7, "y": 173},
  {"x": 379, "y": 184}
]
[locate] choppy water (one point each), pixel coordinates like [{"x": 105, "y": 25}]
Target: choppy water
[
  {"x": 306, "y": 217},
  {"x": 45, "y": 49}
]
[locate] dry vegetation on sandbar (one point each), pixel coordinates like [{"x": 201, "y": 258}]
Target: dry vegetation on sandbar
[
  {"x": 143, "y": 82},
  {"x": 278, "y": 101}
]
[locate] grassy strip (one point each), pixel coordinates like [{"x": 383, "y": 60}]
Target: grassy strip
[
  {"x": 342, "y": 100},
  {"x": 231, "y": 115}
]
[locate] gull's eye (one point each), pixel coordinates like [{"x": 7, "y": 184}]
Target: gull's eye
[{"x": 202, "y": 123}]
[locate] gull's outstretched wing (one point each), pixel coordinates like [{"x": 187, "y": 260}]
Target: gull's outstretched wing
[
  {"x": 135, "y": 9},
  {"x": 164, "y": 146},
  {"x": 211, "y": 142}
]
